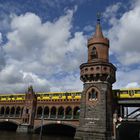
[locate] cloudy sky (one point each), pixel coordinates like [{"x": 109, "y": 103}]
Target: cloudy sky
[{"x": 43, "y": 42}]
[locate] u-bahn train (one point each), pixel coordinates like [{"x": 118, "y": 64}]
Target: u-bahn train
[
  {"x": 127, "y": 93},
  {"x": 43, "y": 96},
  {"x": 119, "y": 93}
]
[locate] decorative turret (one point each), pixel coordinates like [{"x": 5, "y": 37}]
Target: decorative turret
[
  {"x": 98, "y": 46},
  {"x": 98, "y": 67}
]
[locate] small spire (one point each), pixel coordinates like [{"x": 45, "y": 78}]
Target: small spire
[
  {"x": 98, "y": 31},
  {"x": 98, "y": 18}
]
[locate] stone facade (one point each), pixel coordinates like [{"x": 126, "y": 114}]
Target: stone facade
[{"x": 98, "y": 75}]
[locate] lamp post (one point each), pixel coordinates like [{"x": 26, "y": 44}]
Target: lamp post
[{"x": 42, "y": 119}]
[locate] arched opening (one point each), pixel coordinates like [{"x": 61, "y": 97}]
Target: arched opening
[
  {"x": 12, "y": 112},
  {"x": 46, "y": 112},
  {"x": 53, "y": 112},
  {"x": 68, "y": 112},
  {"x": 8, "y": 126},
  {"x": 60, "y": 112},
  {"x": 22, "y": 110},
  {"x": 2, "y": 111},
  {"x": 76, "y": 112},
  {"x": 18, "y": 111},
  {"x": 39, "y": 112},
  {"x": 94, "y": 53},
  {"x": 92, "y": 95},
  {"x": 57, "y": 129},
  {"x": 7, "y": 112}
]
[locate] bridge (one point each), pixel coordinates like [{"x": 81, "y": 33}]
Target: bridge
[
  {"x": 63, "y": 108},
  {"x": 57, "y": 108}
]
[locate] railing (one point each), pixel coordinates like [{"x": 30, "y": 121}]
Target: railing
[{"x": 68, "y": 117}]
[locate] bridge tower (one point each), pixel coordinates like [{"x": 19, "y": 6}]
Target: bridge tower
[
  {"x": 98, "y": 75},
  {"x": 29, "y": 110}
]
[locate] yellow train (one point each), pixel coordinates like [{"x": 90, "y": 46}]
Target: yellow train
[
  {"x": 128, "y": 93},
  {"x": 119, "y": 93},
  {"x": 59, "y": 95},
  {"x": 43, "y": 96}
]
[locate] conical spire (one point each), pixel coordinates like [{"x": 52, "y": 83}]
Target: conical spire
[
  {"x": 98, "y": 36},
  {"x": 98, "y": 31}
]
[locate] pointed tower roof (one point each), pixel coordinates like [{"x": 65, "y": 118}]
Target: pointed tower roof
[
  {"x": 98, "y": 31},
  {"x": 98, "y": 36}
]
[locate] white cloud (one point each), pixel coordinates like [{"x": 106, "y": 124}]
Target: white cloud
[
  {"x": 88, "y": 28},
  {"x": 38, "y": 53},
  {"x": 124, "y": 36},
  {"x": 127, "y": 78},
  {"x": 124, "y": 42},
  {"x": 110, "y": 13},
  {"x": 132, "y": 85}
]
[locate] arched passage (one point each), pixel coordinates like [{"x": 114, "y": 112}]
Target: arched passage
[
  {"x": 129, "y": 131},
  {"x": 46, "y": 112},
  {"x": 53, "y": 112},
  {"x": 12, "y": 112},
  {"x": 60, "y": 112},
  {"x": 57, "y": 129},
  {"x": 8, "y": 126},
  {"x": 68, "y": 113},
  {"x": 39, "y": 112},
  {"x": 2, "y": 111},
  {"x": 18, "y": 111},
  {"x": 7, "y": 111},
  {"x": 76, "y": 112}
]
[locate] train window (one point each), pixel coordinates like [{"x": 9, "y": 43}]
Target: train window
[
  {"x": 138, "y": 91},
  {"x": 131, "y": 92},
  {"x": 124, "y": 92}
]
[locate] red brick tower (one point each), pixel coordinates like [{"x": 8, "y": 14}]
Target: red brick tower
[
  {"x": 29, "y": 110},
  {"x": 98, "y": 75}
]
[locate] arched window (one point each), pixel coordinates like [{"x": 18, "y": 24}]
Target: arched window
[
  {"x": 94, "y": 53},
  {"x": 92, "y": 95},
  {"x": 60, "y": 112}
]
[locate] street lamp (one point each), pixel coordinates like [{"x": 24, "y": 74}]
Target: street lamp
[{"x": 42, "y": 119}]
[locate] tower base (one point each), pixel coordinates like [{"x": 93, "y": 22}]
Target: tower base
[{"x": 24, "y": 128}]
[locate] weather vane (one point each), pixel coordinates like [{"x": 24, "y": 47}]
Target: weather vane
[{"x": 98, "y": 17}]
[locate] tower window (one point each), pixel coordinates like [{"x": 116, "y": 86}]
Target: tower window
[
  {"x": 93, "y": 53},
  {"x": 92, "y": 95}
]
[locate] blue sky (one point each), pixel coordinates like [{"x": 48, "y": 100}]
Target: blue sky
[{"x": 43, "y": 42}]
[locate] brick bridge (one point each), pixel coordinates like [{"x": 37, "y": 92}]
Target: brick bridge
[
  {"x": 27, "y": 109},
  {"x": 62, "y": 108}
]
